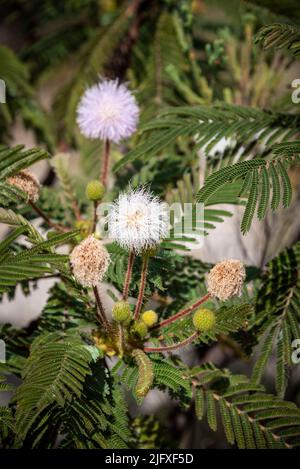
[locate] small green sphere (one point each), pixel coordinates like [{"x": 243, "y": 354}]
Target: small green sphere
[
  {"x": 121, "y": 311},
  {"x": 140, "y": 329},
  {"x": 95, "y": 190},
  {"x": 204, "y": 319},
  {"x": 149, "y": 318}
]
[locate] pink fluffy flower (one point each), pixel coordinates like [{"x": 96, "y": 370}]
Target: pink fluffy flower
[{"x": 108, "y": 111}]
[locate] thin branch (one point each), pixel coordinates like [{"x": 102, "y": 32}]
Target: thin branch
[
  {"x": 49, "y": 222},
  {"x": 139, "y": 303},
  {"x": 100, "y": 310},
  {"x": 182, "y": 313},
  {"x": 95, "y": 216},
  {"x": 169, "y": 348},
  {"x": 105, "y": 163},
  {"x": 128, "y": 275}
]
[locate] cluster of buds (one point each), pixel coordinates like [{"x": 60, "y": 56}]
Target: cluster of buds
[{"x": 137, "y": 221}]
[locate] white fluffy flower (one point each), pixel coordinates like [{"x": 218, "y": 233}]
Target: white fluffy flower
[
  {"x": 107, "y": 111},
  {"x": 138, "y": 220}
]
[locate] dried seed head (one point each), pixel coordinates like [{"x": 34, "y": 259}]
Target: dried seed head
[
  {"x": 226, "y": 279},
  {"x": 89, "y": 261},
  {"x": 28, "y": 183}
]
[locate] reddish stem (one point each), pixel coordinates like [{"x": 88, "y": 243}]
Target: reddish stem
[
  {"x": 182, "y": 313},
  {"x": 105, "y": 162},
  {"x": 128, "y": 275},
  {"x": 100, "y": 310},
  {"x": 49, "y": 222},
  {"x": 95, "y": 216},
  {"x": 139, "y": 303},
  {"x": 169, "y": 348}
]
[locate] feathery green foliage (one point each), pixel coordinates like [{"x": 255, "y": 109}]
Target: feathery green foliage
[{"x": 280, "y": 36}]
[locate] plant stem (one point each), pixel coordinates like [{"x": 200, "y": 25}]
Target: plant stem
[
  {"x": 95, "y": 216},
  {"x": 100, "y": 310},
  {"x": 128, "y": 275},
  {"x": 182, "y": 313},
  {"x": 139, "y": 303},
  {"x": 105, "y": 163},
  {"x": 49, "y": 222},
  {"x": 169, "y": 348},
  {"x": 121, "y": 339}
]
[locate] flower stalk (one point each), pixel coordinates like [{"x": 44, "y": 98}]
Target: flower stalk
[
  {"x": 95, "y": 216},
  {"x": 105, "y": 163},
  {"x": 128, "y": 275},
  {"x": 139, "y": 303},
  {"x": 101, "y": 311},
  {"x": 49, "y": 222},
  {"x": 170, "y": 348},
  {"x": 182, "y": 313}
]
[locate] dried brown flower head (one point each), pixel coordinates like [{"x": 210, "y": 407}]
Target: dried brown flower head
[
  {"x": 226, "y": 279},
  {"x": 89, "y": 261},
  {"x": 28, "y": 183}
]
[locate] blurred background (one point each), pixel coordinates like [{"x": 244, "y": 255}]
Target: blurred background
[{"x": 171, "y": 52}]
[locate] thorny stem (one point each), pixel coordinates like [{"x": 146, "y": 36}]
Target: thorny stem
[
  {"x": 139, "y": 303},
  {"x": 128, "y": 275},
  {"x": 49, "y": 222},
  {"x": 100, "y": 310},
  {"x": 169, "y": 348},
  {"x": 182, "y": 313},
  {"x": 105, "y": 162}
]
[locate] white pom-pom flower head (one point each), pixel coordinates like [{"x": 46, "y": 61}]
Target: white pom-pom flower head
[
  {"x": 108, "y": 111},
  {"x": 137, "y": 220}
]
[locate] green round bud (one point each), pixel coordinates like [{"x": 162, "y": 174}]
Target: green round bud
[
  {"x": 204, "y": 319},
  {"x": 95, "y": 190},
  {"x": 140, "y": 329},
  {"x": 149, "y": 318},
  {"x": 121, "y": 311}
]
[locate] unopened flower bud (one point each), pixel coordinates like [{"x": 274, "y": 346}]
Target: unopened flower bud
[
  {"x": 204, "y": 319},
  {"x": 121, "y": 311},
  {"x": 95, "y": 190},
  {"x": 149, "y": 318},
  {"x": 140, "y": 329}
]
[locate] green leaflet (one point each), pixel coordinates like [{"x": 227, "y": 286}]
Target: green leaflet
[
  {"x": 250, "y": 417},
  {"x": 145, "y": 373},
  {"x": 15, "y": 159},
  {"x": 280, "y": 36},
  {"x": 277, "y": 314}
]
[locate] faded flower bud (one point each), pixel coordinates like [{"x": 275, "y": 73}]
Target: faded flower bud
[
  {"x": 89, "y": 261},
  {"x": 27, "y": 182},
  {"x": 226, "y": 279}
]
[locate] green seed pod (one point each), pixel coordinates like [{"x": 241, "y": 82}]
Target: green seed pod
[
  {"x": 145, "y": 373},
  {"x": 149, "y": 318},
  {"x": 95, "y": 190},
  {"x": 140, "y": 329},
  {"x": 204, "y": 319},
  {"x": 121, "y": 311}
]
